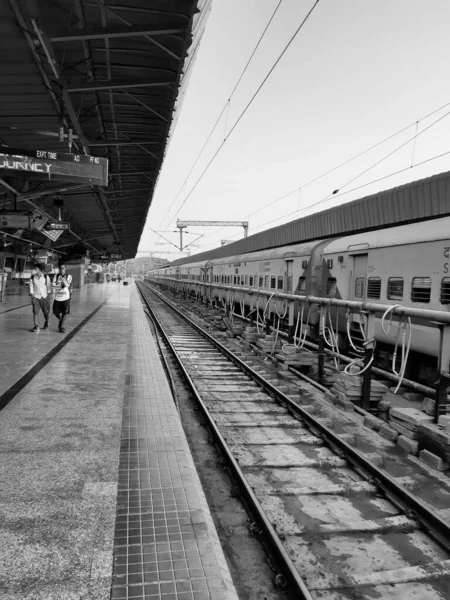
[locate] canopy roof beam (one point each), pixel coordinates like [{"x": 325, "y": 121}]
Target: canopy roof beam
[
  {"x": 113, "y": 84},
  {"x": 124, "y": 142},
  {"x": 100, "y": 33},
  {"x": 147, "y": 37}
]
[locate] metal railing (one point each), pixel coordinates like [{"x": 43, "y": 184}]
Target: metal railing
[{"x": 368, "y": 311}]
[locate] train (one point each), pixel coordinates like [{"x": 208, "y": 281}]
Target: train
[{"x": 408, "y": 265}]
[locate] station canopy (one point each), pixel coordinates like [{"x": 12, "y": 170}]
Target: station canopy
[{"x": 90, "y": 78}]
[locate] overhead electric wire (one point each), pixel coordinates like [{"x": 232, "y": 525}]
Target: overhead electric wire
[
  {"x": 349, "y": 160},
  {"x": 193, "y": 241},
  {"x": 334, "y": 194},
  {"x": 161, "y": 236},
  {"x": 413, "y": 139},
  {"x": 248, "y": 105},
  {"x": 318, "y": 177},
  {"x": 330, "y": 197},
  {"x": 381, "y": 178},
  {"x": 227, "y": 103}
]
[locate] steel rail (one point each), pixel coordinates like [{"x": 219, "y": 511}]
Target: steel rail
[
  {"x": 434, "y": 525},
  {"x": 291, "y": 573}
]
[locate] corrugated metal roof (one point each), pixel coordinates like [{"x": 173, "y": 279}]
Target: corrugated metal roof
[
  {"x": 416, "y": 201},
  {"x": 112, "y": 72}
]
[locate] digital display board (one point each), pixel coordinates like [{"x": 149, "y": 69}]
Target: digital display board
[
  {"x": 46, "y": 165},
  {"x": 15, "y": 219},
  {"x": 57, "y": 226}
]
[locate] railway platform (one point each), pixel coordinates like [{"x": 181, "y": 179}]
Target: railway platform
[{"x": 99, "y": 496}]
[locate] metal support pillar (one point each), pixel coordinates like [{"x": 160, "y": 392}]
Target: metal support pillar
[
  {"x": 227, "y": 305},
  {"x": 268, "y": 320},
  {"x": 252, "y": 306},
  {"x": 291, "y": 323},
  {"x": 440, "y": 407},
  {"x": 2, "y": 275},
  {"x": 321, "y": 344},
  {"x": 241, "y": 308},
  {"x": 181, "y": 239},
  {"x": 368, "y": 354}
]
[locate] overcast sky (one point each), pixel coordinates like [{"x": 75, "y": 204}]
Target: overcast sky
[{"x": 358, "y": 71}]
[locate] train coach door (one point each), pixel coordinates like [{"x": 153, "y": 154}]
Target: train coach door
[
  {"x": 359, "y": 279},
  {"x": 289, "y": 276}
]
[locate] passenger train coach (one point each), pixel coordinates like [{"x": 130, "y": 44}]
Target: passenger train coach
[{"x": 407, "y": 265}]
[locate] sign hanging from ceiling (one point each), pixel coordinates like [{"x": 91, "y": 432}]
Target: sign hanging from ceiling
[
  {"x": 46, "y": 165},
  {"x": 39, "y": 221},
  {"x": 57, "y": 226},
  {"x": 15, "y": 219}
]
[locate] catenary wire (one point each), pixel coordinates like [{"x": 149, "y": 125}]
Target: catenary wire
[
  {"x": 318, "y": 177},
  {"x": 413, "y": 139},
  {"x": 336, "y": 195},
  {"x": 329, "y": 197},
  {"x": 164, "y": 238},
  {"x": 238, "y": 120},
  {"x": 349, "y": 160},
  {"x": 227, "y": 103}
]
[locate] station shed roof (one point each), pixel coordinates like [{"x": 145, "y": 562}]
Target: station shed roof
[
  {"x": 416, "y": 201},
  {"x": 111, "y": 72}
]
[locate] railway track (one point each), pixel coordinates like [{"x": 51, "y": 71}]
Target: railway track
[{"x": 339, "y": 527}]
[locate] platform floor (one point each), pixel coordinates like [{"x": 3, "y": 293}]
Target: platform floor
[
  {"x": 99, "y": 496},
  {"x": 24, "y": 349}
]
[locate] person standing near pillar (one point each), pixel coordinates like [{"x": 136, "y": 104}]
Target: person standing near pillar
[
  {"x": 61, "y": 305},
  {"x": 40, "y": 289}
]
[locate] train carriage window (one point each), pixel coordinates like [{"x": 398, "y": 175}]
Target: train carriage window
[
  {"x": 273, "y": 283},
  {"x": 266, "y": 281},
  {"x": 359, "y": 287},
  {"x": 250, "y": 280},
  {"x": 301, "y": 285},
  {"x": 331, "y": 287},
  {"x": 374, "y": 287},
  {"x": 280, "y": 282},
  {"x": 261, "y": 281},
  {"x": 445, "y": 290},
  {"x": 395, "y": 288},
  {"x": 421, "y": 289}
]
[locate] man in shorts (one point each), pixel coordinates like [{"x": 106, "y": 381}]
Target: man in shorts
[
  {"x": 40, "y": 288},
  {"x": 61, "y": 304}
]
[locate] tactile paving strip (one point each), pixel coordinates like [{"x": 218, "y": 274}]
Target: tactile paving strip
[{"x": 165, "y": 543}]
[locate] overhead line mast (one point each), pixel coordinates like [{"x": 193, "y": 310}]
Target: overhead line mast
[{"x": 183, "y": 224}]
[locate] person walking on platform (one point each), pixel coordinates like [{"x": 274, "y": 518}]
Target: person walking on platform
[
  {"x": 61, "y": 303},
  {"x": 40, "y": 289}
]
